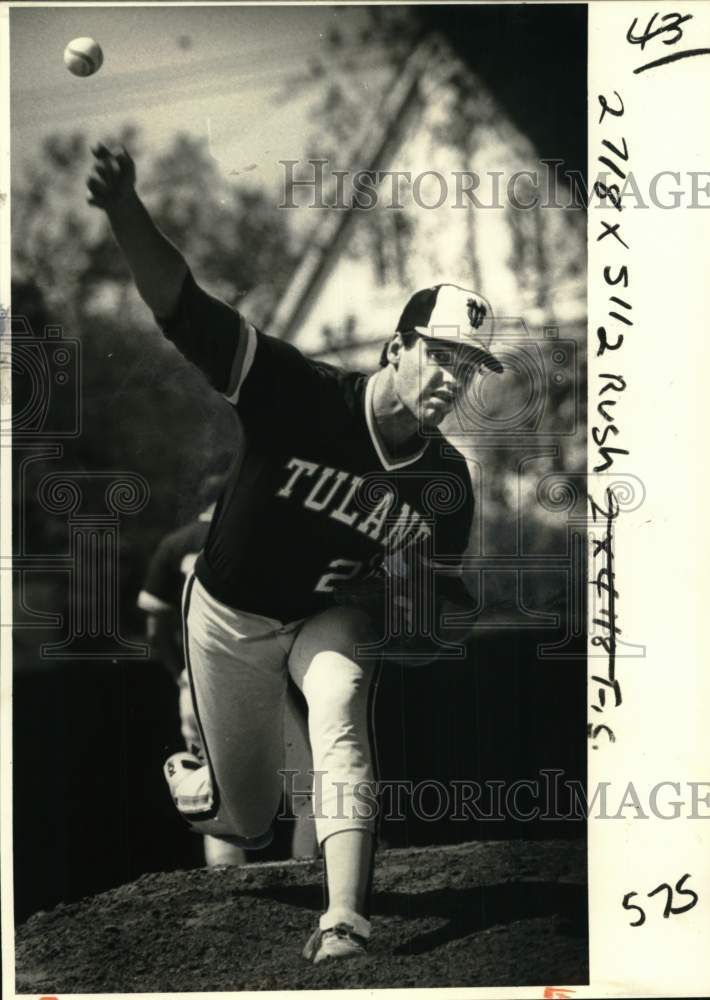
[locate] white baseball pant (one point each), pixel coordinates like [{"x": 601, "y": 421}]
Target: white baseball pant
[{"x": 238, "y": 665}]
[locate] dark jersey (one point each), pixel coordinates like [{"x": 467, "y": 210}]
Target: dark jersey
[
  {"x": 312, "y": 500},
  {"x": 171, "y": 564}
]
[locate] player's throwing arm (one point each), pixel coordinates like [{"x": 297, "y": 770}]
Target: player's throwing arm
[{"x": 158, "y": 268}]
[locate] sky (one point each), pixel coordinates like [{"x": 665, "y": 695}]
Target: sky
[{"x": 225, "y": 73}]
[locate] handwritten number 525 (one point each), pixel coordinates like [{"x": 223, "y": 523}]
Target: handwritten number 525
[{"x": 669, "y": 907}]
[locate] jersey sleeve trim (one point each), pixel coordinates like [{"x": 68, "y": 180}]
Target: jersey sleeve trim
[{"x": 243, "y": 360}]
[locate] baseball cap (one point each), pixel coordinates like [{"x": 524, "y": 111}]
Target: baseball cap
[{"x": 453, "y": 314}]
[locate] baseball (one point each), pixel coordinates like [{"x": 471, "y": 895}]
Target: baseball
[{"x": 83, "y": 56}]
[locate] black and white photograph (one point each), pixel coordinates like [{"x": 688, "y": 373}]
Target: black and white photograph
[{"x": 318, "y": 441}]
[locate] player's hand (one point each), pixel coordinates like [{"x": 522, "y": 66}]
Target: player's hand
[{"x": 112, "y": 179}]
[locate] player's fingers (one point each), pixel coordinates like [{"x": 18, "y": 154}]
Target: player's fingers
[
  {"x": 124, "y": 160},
  {"x": 96, "y": 176},
  {"x": 102, "y": 170},
  {"x": 107, "y": 170},
  {"x": 96, "y": 186},
  {"x": 101, "y": 150}
]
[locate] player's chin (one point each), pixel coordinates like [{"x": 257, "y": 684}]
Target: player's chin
[{"x": 434, "y": 411}]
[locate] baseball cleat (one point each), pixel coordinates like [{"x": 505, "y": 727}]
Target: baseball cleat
[
  {"x": 190, "y": 786},
  {"x": 189, "y": 782},
  {"x": 344, "y": 939}
]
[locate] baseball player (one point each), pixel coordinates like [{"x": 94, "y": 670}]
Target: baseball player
[{"x": 335, "y": 476}]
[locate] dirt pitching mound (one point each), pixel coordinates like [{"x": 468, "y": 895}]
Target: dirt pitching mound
[{"x": 480, "y": 914}]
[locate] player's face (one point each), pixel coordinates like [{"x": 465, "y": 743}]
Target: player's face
[{"x": 431, "y": 376}]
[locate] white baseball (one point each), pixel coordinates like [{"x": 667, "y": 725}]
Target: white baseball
[{"x": 83, "y": 56}]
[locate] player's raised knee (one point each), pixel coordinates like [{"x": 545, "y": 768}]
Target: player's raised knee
[{"x": 340, "y": 630}]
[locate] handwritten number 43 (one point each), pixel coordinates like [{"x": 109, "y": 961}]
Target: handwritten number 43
[{"x": 669, "y": 907}]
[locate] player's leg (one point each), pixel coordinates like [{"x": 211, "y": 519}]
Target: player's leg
[
  {"x": 237, "y": 670},
  {"x": 188, "y": 723},
  {"x": 219, "y": 851},
  {"x": 338, "y": 685},
  {"x": 216, "y": 851},
  {"x": 298, "y": 765}
]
